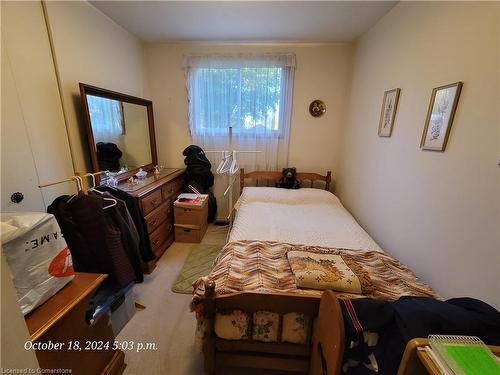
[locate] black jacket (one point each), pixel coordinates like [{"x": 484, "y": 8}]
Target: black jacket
[
  {"x": 396, "y": 323},
  {"x": 95, "y": 237},
  {"x": 198, "y": 168},
  {"x": 139, "y": 221}
]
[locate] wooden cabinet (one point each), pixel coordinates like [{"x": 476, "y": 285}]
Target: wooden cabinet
[
  {"x": 61, "y": 320},
  {"x": 156, "y": 196}
]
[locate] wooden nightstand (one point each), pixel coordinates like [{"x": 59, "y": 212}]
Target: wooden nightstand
[
  {"x": 190, "y": 221},
  {"x": 61, "y": 319}
]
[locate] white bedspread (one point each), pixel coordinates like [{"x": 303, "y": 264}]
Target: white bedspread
[{"x": 304, "y": 216}]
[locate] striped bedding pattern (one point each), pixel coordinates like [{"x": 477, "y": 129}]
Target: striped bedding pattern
[{"x": 262, "y": 266}]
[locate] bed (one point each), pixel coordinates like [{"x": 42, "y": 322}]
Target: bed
[{"x": 256, "y": 270}]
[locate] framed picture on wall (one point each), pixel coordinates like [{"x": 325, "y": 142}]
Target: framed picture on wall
[
  {"x": 389, "y": 107},
  {"x": 444, "y": 100}
]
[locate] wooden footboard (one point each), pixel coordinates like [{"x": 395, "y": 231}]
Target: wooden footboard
[
  {"x": 271, "y": 178},
  {"x": 328, "y": 340},
  {"x": 260, "y": 355}
]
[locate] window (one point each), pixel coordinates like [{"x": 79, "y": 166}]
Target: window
[
  {"x": 106, "y": 115},
  {"x": 252, "y": 94},
  {"x": 241, "y": 98}
]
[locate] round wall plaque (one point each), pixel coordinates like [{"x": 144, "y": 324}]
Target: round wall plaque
[{"x": 317, "y": 108}]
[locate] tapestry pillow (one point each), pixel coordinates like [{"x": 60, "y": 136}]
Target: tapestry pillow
[
  {"x": 265, "y": 326},
  {"x": 295, "y": 328},
  {"x": 232, "y": 325},
  {"x": 323, "y": 271}
]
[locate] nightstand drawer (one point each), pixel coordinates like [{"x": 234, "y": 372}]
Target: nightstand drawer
[
  {"x": 193, "y": 234},
  {"x": 189, "y": 216}
]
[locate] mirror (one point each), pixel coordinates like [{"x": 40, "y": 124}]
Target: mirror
[{"x": 120, "y": 131}]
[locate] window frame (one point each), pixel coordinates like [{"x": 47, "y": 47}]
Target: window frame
[{"x": 222, "y": 131}]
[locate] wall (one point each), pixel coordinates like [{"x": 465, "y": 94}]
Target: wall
[
  {"x": 323, "y": 72},
  {"x": 436, "y": 212},
  {"x": 93, "y": 49}
]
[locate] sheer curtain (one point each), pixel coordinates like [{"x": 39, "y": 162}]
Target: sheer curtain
[
  {"x": 106, "y": 117},
  {"x": 250, "y": 93}
]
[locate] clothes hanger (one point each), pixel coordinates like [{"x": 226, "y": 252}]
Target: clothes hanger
[
  {"x": 225, "y": 163},
  {"x": 110, "y": 205},
  {"x": 93, "y": 189},
  {"x": 79, "y": 187},
  {"x": 235, "y": 167}
]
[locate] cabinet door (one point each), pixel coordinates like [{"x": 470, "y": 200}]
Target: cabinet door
[
  {"x": 35, "y": 147},
  {"x": 18, "y": 166}
]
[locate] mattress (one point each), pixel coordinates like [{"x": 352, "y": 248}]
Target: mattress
[
  {"x": 304, "y": 217},
  {"x": 271, "y": 221}
]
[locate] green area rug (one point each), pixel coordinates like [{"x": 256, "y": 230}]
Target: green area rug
[{"x": 198, "y": 263}]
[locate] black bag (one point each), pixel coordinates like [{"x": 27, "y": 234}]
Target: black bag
[
  {"x": 199, "y": 175},
  {"x": 108, "y": 156},
  {"x": 198, "y": 168}
]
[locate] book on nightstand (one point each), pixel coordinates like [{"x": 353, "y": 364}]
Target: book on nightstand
[
  {"x": 462, "y": 355},
  {"x": 190, "y": 199}
]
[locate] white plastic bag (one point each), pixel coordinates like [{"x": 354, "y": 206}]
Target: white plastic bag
[{"x": 38, "y": 257}]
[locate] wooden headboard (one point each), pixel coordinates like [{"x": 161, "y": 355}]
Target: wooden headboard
[{"x": 275, "y": 176}]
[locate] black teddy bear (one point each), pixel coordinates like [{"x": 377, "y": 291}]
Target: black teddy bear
[{"x": 289, "y": 180}]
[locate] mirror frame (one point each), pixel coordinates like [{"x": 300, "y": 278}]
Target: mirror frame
[{"x": 104, "y": 93}]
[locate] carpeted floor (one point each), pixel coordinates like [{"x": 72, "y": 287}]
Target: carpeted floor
[{"x": 198, "y": 264}]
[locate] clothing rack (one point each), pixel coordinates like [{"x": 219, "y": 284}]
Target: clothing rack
[
  {"x": 77, "y": 179},
  {"x": 230, "y": 153}
]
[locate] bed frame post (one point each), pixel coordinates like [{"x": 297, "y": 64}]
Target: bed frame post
[
  {"x": 209, "y": 337},
  {"x": 242, "y": 179},
  {"x": 328, "y": 180}
]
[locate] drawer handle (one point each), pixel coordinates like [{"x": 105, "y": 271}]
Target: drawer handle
[
  {"x": 154, "y": 202},
  {"x": 153, "y": 222},
  {"x": 155, "y": 242}
]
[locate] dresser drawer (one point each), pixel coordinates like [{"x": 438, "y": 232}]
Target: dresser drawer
[
  {"x": 172, "y": 188},
  {"x": 158, "y": 216},
  {"x": 161, "y": 234},
  {"x": 168, "y": 190},
  {"x": 151, "y": 201}
]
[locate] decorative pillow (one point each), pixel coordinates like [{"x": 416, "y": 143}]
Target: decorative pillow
[
  {"x": 323, "y": 271},
  {"x": 295, "y": 328},
  {"x": 232, "y": 325},
  {"x": 265, "y": 326}
]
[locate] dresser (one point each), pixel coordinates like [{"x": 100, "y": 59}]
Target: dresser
[{"x": 156, "y": 196}]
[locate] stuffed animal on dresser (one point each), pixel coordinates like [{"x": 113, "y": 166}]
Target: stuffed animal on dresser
[{"x": 289, "y": 179}]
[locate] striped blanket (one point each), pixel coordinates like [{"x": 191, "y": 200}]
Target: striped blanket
[{"x": 262, "y": 266}]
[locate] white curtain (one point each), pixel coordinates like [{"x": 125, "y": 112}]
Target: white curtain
[
  {"x": 106, "y": 117},
  {"x": 250, "y": 93}
]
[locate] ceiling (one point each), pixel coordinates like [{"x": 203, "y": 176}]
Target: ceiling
[{"x": 246, "y": 21}]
